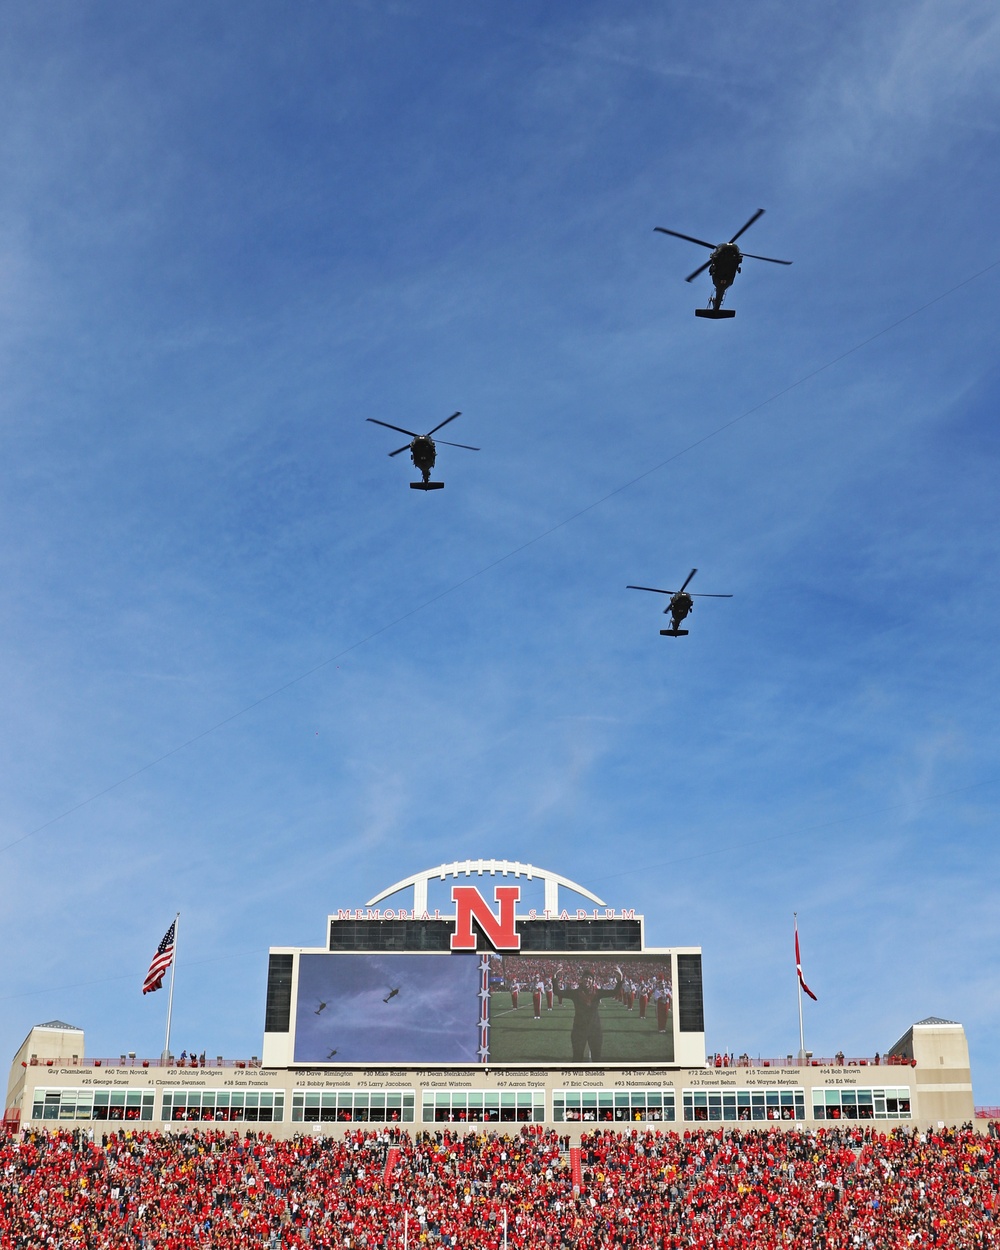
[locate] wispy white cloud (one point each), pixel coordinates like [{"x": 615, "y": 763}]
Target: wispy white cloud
[{"x": 900, "y": 93}]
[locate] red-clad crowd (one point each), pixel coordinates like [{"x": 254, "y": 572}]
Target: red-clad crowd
[
  {"x": 842, "y": 1189},
  {"x": 525, "y": 970}
]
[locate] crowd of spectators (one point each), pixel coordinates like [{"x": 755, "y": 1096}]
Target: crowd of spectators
[
  {"x": 526, "y": 970},
  {"x": 847, "y": 1188}
]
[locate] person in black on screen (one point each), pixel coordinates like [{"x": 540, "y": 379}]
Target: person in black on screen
[{"x": 586, "y": 1000}]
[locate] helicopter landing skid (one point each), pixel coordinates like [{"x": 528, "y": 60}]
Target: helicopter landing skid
[
  {"x": 716, "y": 314},
  {"x": 675, "y": 633},
  {"x": 427, "y": 486}
]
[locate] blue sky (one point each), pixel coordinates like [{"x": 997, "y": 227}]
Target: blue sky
[{"x": 227, "y": 239}]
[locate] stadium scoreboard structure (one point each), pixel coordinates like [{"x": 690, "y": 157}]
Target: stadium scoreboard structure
[
  {"x": 490, "y": 984},
  {"x": 495, "y": 1004}
]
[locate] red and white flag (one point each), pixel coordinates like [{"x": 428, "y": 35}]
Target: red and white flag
[
  {"x": 798, "y": 966},
  {"x": 161, "y": 962}
]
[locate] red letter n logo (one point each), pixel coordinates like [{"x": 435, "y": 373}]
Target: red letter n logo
[{"x": 499, "y": 929}]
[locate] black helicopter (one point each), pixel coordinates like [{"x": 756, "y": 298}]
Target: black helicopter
[
  {"x": 680, "y": 605},
  {"x": 422, "y": 451},
  {"x": 723, "y": 266},
  {"x": 392, "y": 993}
]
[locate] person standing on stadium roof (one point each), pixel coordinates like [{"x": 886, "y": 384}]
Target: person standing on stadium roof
[{"x": 586, "y": 1000}]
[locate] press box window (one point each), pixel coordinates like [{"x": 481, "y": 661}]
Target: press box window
[
  {"x": 712, "y": 1105},
  {"x": 223, "y": 1105},
  {"x": 861, "y": 1104},
  {"x": 92, "y": 1104},
  {"x": 483, "y": 1106},
  {"x": 346, "y": 1105},
  {"x": 607, "y": 1105}
]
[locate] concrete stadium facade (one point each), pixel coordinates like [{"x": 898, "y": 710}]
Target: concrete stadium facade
[{"x": 923, "y": 1079}]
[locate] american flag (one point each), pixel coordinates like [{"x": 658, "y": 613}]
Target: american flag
[{"x": 161, "y": 962}]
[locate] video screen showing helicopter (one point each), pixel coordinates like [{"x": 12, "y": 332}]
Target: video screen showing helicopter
[
  {"x": 579, "y": 1009},
  {"x": 387, "y": 1009}
]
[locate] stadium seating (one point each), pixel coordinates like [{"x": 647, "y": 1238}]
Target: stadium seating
[{"x": 846, "y": 1188}]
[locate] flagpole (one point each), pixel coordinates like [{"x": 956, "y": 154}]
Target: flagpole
[
  {"x": 798, "y": 985},
  {"x": 165, "y": 1057}
]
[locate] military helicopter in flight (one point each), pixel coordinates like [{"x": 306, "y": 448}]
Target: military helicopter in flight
[
  {"x": 681, "y": 603},
  {"x": 320, "y": 1008},
  {"x": 422, "y": 451},
  {"x": 392, "y": 993},
  {"x": 723, "y": 266}
]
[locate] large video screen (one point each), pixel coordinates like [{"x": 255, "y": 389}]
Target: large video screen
[
  {"x": 388, "y": 1009},
  {"x": 459, "y": 1009},
  {"x": 596, "y": 1009}
]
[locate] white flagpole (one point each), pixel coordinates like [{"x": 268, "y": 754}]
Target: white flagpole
[
  {"x": 505, "y": 1228},
  {"x": 165, "y": 1057},
  {"x": 406, "y": 1225},
  {"x": 798, "y": 985}
]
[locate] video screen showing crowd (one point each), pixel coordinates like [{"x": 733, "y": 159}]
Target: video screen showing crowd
[{"x": 596, "y": 1009}]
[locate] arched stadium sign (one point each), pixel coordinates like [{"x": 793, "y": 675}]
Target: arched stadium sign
[{"x": 500, "y": 926}]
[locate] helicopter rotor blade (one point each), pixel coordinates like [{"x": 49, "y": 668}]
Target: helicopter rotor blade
[
  {"x": 691, "y": 276},
  {"x": 655, "y": 589},
  {"x": 405, "y": 447},
  {"x": 687, "y": 579},
  {"x": 465, "y": 445},
  {"x": 398, "y": 428},
  {"x": 770, "y": 258},
  {"x": 444, "y": 423},
  {"x": 702, "y": 595},
  {"x": 689, "y": 237},
  {"x": 758, "y": 213}
]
